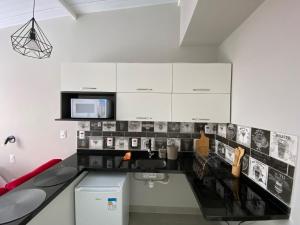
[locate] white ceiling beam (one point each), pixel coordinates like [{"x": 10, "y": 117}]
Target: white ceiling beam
[{"x": 69, "y": 9}]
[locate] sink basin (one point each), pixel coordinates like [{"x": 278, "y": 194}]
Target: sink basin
[{"x": 150, "y": 163}]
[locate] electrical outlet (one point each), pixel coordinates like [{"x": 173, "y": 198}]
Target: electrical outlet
[
  {"x": 12, "y": 158},
  {"x": 63, "y": 134}
]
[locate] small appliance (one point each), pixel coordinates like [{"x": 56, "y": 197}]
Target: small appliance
[
  {"x": 102, "y": 199},
  {"x": 91, "y": 108}
]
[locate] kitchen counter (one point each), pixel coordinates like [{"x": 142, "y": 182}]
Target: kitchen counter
[{"x": 219, "y": 195}]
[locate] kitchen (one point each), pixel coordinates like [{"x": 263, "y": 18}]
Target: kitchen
[{"x": 259, "y": 100}]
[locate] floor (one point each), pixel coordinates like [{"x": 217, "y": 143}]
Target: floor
[{"x": 167, "y": 219}]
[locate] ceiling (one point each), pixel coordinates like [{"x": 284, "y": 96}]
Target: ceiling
[
  {"x": 15, "y": 12},
  {"x": 214, "y": 20}
]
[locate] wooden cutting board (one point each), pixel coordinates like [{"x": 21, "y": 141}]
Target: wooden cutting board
[{"x": 202, "y": 145}]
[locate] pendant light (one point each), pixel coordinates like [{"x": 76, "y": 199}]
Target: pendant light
[{"x": 29, "y": 40}]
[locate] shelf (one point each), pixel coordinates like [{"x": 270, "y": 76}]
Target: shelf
[{"x": 65, "y": 101}]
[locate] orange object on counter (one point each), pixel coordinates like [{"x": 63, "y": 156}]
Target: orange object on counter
[{"x": 127, "y": 156}]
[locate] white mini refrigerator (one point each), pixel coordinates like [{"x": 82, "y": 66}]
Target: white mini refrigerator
[{"x": 102, "y": 199}]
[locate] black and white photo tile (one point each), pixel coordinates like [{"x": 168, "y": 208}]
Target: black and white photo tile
[
  {"x": 199, "y": 127},
  {"x": 260, "y": 140},
  {"x": 135, "y": 143},
  {"x": 160, "y": 143},
  {"x": 134, "y": 126},
  {"x": 280, "y": 185},
  {"x": 83, "y": 143},
  {"x": 222, "y": 130},
  {"x": 243, "y": 135},
  {"x": 245, "y": 164},
  {"x": 258, "y": 172},
  {"x": 109, "y": 126},
  {"x": 122, "y": 143},
  {"x": 96, "y": 142},
  {"x": 160, "y": 127},
  {"x": 210, "y": 128},
  {"x": 220, "y": 148},
  {"x": 186, "y": 127},
  {"x": 270, "y": 157},
  {"x": 122, "y": 126},
  {"x": 83, "y": 125},
  {"x": 145, "y": 143},
  {"x": 174, "y": 142},
  {"x": 231, "y": 132},
  {"x": 174, "y": 127},
  {"x": 147, "y": 126},
  {"x": 96, "y": 126},
  {"x": 229, "y": 154},
  {"x": 109, "y": 143},
  {"x": 187, "y": 144},
  {"x": 283, "y": 147}
]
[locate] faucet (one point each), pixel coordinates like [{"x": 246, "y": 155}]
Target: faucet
[{"x": 148, "y": 147}]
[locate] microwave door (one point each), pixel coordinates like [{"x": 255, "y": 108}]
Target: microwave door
[{"x": 84, "y": 108}]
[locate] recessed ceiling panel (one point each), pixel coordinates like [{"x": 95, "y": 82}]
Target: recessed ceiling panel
[{"x": 14, "y": 12}]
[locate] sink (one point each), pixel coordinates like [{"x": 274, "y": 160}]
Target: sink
[{"x": 150, "y": 163}]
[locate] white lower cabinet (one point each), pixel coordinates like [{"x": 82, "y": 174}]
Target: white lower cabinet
[
  {"x": 61, "y": 210},
  {"x": 214, "y": 108},
  {"x": 144, "y": 106}
]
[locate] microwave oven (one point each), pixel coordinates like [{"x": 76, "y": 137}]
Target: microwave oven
[{"x": 91, "y": 108}]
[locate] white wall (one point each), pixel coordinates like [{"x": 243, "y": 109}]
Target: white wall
[
  {"x": 29, "y": 88},
  {"x": 265, "y": 52},
  {"x": 187, "y": 9}
]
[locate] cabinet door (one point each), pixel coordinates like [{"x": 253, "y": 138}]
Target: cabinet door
[
  {"x": 88, "y": 77},
  {"x": 144, "y": 106},
  {"x": 201, "y": 78},
  {"x": 213, "y": 108},
  {"x": 144, "y": 77}
]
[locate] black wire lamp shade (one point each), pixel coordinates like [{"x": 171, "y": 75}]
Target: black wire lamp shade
[{"x": 29, "y": 40}]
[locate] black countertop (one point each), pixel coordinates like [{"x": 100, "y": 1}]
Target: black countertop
[{"x": 219, "y": 195}]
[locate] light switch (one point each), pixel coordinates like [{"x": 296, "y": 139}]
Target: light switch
[
  {"x": 81, "y": 134},
  {"x": 12, "y": 158},
  {"x": 63, "y": 134}
]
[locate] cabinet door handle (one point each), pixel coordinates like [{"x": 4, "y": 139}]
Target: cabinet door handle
[
  {"x": 88, "y": 88},
  {"x": 143, "y": 118},
  {"x": 201, "y": 89},
  {"x": 200, "y": 119},
  {"x": 144, "y": 89}
]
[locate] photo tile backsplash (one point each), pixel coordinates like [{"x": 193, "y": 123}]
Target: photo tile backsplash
[
  {"x": 134, "y": 135},
  {"x": 269, "y": 160}
]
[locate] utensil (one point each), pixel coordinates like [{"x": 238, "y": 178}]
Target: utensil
[
  {"x": 203, "y": 145},
  {"x": 236, "y": 156},
  {"x": 242, "y": 152},
  {"x": 172, "y": 152},
  {"x": 236, "y": 166}
]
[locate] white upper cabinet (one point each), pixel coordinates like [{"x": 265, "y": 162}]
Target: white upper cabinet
[
  {"x": 88, "y": 77},
  {"x": 144, "y": 77},
  {"x": 144, "y": 106},
  {"x": 213, "y": 108},
  {"x": 201, "y": 78}
]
